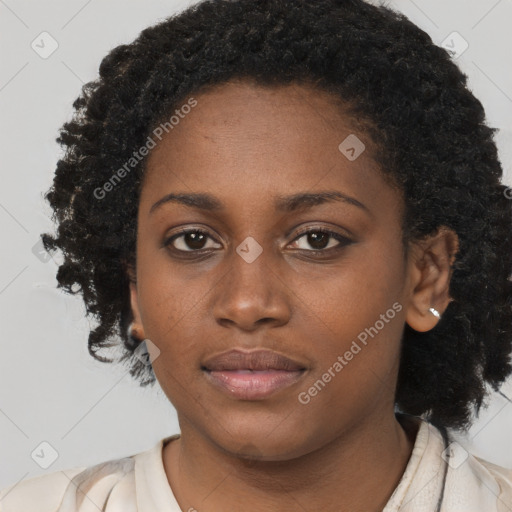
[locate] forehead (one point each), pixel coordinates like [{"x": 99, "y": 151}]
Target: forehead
[{"x": 243, "y": 139}]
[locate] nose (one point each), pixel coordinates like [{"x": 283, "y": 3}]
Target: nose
[{"x": 251, "y": 295}]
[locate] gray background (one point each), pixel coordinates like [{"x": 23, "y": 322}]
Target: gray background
[{"x": 51, "y": 390}]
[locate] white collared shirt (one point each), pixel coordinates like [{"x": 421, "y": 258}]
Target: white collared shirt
[{"x": 138, "y": 483}]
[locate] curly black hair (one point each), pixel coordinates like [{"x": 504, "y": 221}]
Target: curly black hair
[{"x": 429, "y": 129}]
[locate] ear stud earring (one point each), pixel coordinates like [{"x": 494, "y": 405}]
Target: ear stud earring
[{"x": 435, "y": 312}]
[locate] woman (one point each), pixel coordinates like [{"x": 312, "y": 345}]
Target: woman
[{"x": 291, "y": 214}]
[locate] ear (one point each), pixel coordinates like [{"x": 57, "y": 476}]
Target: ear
[
  {"x": 136, "y": 326},
  {"x": 429, "y": 267}
]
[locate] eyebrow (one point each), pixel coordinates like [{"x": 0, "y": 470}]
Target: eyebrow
[{"x": 287, "y": 204}]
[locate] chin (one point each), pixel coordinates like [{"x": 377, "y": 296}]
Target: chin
[{"x": 262, "y": 440}]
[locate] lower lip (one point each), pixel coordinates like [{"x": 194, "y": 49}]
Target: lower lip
[{"x": 253, "y": 385}]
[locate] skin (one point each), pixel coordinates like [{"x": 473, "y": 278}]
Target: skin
[{"x": 345, "y": 449}]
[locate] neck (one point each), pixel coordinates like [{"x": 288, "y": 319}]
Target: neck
[{"x": 357, "y": 470}]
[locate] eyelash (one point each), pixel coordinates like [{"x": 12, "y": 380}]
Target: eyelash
[{"x": 343, "y": 240}]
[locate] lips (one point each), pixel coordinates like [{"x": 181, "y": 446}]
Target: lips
[
  {"x": 256, "y": 360},
  {"x": 252, "y": 375}
]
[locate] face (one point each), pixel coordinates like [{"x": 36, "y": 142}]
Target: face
[{"x": 322, "y": 281}]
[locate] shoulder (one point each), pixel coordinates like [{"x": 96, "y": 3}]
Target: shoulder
[
  {"x": 66, "y": 490},
  {"x": 443, "y": 475},
  {"x": 476, "y": 482},
  {"x": 500, "y": 475},
  {"x": 129, "y": 484}
]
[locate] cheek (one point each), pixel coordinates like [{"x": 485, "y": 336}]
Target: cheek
[
  {"x": 363, "y": 287},
  {"x": 168, "y": 309},
  {"x": 169, "y": 322},
  {"x": 355, "y": 372},
  {"x": 166, "y": 300},
  {"x": 357, "y": 322}
]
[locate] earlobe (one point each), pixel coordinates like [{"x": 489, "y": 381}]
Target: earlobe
[
  {"x": 430, "y": 268},
  {"x": 423, "y": 321}
]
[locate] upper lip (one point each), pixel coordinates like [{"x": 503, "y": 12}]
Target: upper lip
[{"x": 263, "y": 359}]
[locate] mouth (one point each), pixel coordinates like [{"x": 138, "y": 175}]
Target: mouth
[{"x": 252, "y": 375}]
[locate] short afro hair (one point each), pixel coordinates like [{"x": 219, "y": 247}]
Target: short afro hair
[{"x": 431, "y": 136}]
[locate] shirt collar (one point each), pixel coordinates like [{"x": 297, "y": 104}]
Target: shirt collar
[
  {"x": 151, "y": 484},
  {"x": 468, "y": 485}
]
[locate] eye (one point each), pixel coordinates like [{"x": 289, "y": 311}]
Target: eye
[
  {"x": 321, "y": 240},
  {"x": 190, "y": 240},
  {"x": 196, "y": 240}
]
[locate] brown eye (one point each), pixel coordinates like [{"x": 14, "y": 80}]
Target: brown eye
[
  {"x": 318, "y": 240},
  {"x": 189, "y": 241},
  {"x": 321, "y": 240}
]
